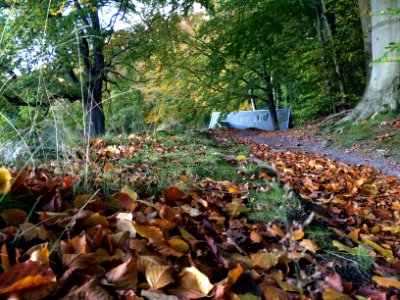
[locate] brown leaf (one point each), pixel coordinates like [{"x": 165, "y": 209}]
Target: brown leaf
[
  {"x": 26, "y": 275},
  {"x": 158, "y": 276},
  {"x": 90, "y": 290},
  {"x": 79, "y": 260},
  {"x": 96, "y": 219},
  {"x": 124, "y": 276},
  {"x": 332, "y": 294},
  {"x": 272, "y": 293},
  {"x": 264, "y": 260},
  {"x": 173, "y": 194},
  {"x": 14, "y": 216}
]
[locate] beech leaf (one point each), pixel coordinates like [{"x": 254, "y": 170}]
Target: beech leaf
[{"x": 158, "y": 276}]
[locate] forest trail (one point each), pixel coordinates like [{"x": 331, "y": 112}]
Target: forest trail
[{"x": 306, "y": 140}]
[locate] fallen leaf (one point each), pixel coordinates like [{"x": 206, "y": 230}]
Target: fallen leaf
[
  {"x": 332, "y": 294},
  {"x": 272, "y": 293},
  {"x": 192, "y": 278},
  {"x": 158, "y": 276},
  {"x": 179, "y": 245},
  {"x": 156, "y": 296},
  {"x": 385, "y": 252},
  {"x": 89, "y": 290},
  {"x": 150, "y": 232},
  {"x": 124, "y": 276},
  {"x": 387, "y": 282},
  {"x": 264, "y": 261},
  {"x": 14, "y": 216},
  {"x": 310, "y": 245},
  {"x": 5, "y": 181},
  {"x": 173, "y": 194},
  {"x": 25, "y": 275}
]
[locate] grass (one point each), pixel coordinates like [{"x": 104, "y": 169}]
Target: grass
[{"x": 367, "y": 134}]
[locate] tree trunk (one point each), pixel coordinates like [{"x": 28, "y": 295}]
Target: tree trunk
[
  {"x": 383, "y": 89},
  {"x": 94, "y": 114},
  {"x": 364, "y": 7},
  {"x": 270, "y": 102}
]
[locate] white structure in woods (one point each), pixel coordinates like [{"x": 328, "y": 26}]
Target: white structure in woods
[{"x": 260, "y": 119}]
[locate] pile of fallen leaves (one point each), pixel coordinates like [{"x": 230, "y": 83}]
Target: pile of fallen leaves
[{"x": 183, "y": 244}]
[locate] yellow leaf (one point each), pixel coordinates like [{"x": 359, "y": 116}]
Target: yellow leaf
[
  {"x": 131, "y": 193},
  {"x": 5, "y": 181},
  {"x": 386, "y": 282},
  {"x": 385, "y": 252},
  {"x": 150, "y": 232},
  {"x": 264, "y": 260},
  {"x": 332, "y": 294},
  {"x": 158, "y": 276},
  {"x": 342, "y": 247},
  {"x": 241, "y": 157},
  {"x": 194, "y": 279},
  {"x": 233, "y": 189},
  {"x": 178, "y": 245},
  {"x": 310, "y": 245},
  {"x": 235, "y": 208}
]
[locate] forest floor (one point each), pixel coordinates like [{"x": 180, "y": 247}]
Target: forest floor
[
  {"x": 365, "y": 153},
  {"x": 194, "y": 215}
]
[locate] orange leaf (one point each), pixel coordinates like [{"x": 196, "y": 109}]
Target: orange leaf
[
  {"x": 150, "y": 232},
  {"x": 255, "y": 237},
  {"x": 234, "y": 274},
  {"x": 173, "y": 194},
  {"x": 298, "y": 235},
  {"x": 354, "y": 234},
  {"x": 24, "y": 276},
  {"x": 165, "y": 224},
  {"x": 386, "y": 282}
]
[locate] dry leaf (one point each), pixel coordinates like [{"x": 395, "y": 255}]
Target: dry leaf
[
  {"x": 150, "y": 232},
  {"x": 264, "y": 260},
  {"x": 310, "y": 245},
  {"x": 124, "y": 276},
  {"x": 5, "y": 181},
  {"x": 332, "y": 294},
  {"x": 158, "y": 276},
  {"x": 14, "y": 216},
  {"x": 192, "y": 278},
  {"x": 387, "y": 282},
  {"x": 173, "y": 194},
  {"x": 26, "y": 275}
]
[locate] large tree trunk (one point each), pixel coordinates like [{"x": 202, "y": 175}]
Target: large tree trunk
[
  {"x": 94, "y": 114},
  {"x": 383, "y": 89}
]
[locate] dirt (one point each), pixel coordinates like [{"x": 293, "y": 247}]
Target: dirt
[{"x": 300, "y": 140}]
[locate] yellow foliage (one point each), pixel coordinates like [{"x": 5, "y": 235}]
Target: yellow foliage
[{"x": 5, "y": 181}]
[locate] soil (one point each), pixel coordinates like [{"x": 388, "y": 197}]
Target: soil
[{"x": 303, "y": 140}]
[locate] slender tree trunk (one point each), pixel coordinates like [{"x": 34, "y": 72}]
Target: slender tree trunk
[
  {"x": 93, "y": 104},
  {"x": 364, "y": 7},
  {"x": 383, "y": 89},
  {"x": 270, "y": 102}
]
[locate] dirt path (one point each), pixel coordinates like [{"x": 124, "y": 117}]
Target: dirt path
[{"x": 306, "y": 141}]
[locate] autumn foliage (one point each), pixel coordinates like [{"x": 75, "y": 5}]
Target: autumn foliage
[{"x": 194, "y": 239}]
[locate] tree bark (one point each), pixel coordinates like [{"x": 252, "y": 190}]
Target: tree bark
[
  {"x": 383, "y": 89},
  {"x": 364, "y": 7},
  {"x": 270, "y": 102}
]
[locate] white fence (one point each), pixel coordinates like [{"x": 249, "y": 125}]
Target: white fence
[{"x": 260, "y": 119}]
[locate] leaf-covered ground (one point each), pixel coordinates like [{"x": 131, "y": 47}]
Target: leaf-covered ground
[{"x": 181, "y": 217}]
